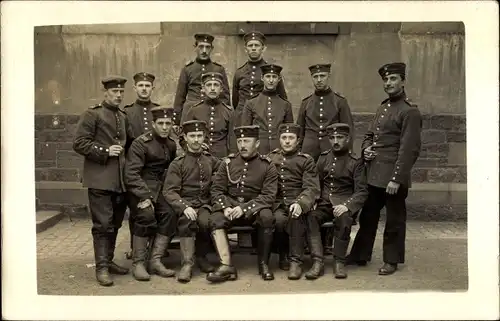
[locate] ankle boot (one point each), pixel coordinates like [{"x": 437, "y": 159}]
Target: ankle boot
[
  {"x": 202, "y": 245},
  {"x": 158, "y": 249},
  {"x": 226, "y": 271},
  {"x": 140, "y": 246},
  {"x": 316, "y": 247},
  {"x": 264, "y": 241},
  {"x": 113, "y": 267},
  {"x": 187, "y": 252},
  {"x": 101, "y": 260}
]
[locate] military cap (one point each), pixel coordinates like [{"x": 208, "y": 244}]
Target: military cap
[
  {"x": 113, "y": 82},
  {"x": 194, "y": 126},
  {"x": 289, "y": 128},
  {"x": 338, "y": 128},
  {"x": 204, "y": 37},
  {"x": 392, "y": 68},
  {"x": 144, "y": 76},
  {"x": 320, "y": 68},
  {"x": 254, "y": 35},
  {"x": 271, "y": 69},
  {"x": 212, "y": 76},
  {"x": 247, "y": 131},
  {"x": 162, "y": 112}
]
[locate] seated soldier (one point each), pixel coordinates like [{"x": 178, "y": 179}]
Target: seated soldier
[
  {"x": 298, "y": 189},
  {"x": 343, "y": 193},
  {"x": 243, "y": 193},
  {"x": 187, "y": 189}
]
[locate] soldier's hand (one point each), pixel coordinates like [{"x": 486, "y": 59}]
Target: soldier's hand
[
  {"x": 392, "y": 188},
  {"x": 205, "y": 146},
  {"x": 191, "y": 213},
  {"x": 145, "y": 203},
  {"x": 295, "y": 210},
  {"x": 237, "y": 212},
  {"x": 228, "y": 211},
  {"x": 369, "y": 154},
  {"x": 339, "y": 210},
  {"x": 115, "y": 150}
]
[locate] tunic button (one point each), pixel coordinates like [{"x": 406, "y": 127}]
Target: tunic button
[
  {"x": 319, "y": 138},
  {"x": 246, "y": 164},
  {"x": 321, "y": 97},
  {"x": 270, "y": 131},
  {"x": 253, "y": 67},
  {"x": 321, "y": 103},
  {"x": 320, "y": 126},
  {"x": 389, "y": 105},
  {"x": 252, "y": 77},
  {"x": 320, "y": 115},
  {"x": 385, "y": 109}
]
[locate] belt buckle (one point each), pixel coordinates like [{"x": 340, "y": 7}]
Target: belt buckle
[{"x": 241, "y": 199}]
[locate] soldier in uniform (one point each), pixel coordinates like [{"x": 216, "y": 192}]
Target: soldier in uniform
[
  {"x": 216, "y": 114},
  {"x": 187, "y": 189},
  {"x": 102, "y": 138},
  {"x": 189, "y": 89},
  {"x": 390, "y": 148},
  {"x": 154, "y": 220},
  {"x": 319, "y": 110},
  {"x": 243, "y": 193},
  {"x": 247, "y": 80},
  {"x": 298, "y": 189},
  {"x": 343, "y": 193},
  {"x": 268, "y": 110}
]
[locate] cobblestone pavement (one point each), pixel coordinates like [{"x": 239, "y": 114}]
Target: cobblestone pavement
[{"x": 436, "y": 259}]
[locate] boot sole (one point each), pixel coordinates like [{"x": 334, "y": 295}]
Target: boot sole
[
  {"x": 309, "y": 277},
  {"x": 231, "y": 277},
  {"x": 105, "y": 284},
  {"x": 183, "y": 281},
  {"x": 341, "y": 276},
  {"x": 142, "y": 279}
]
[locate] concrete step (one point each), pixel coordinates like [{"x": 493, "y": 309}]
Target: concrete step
[{"x": 47, "y": 219}]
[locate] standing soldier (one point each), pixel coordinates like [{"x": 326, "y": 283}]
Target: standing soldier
[
  {"x": 343, "y": 192},
  {"x": 319, "y": 110},
  {"x": 390, "y": 148},
  {"x": 268, "y": 110},
  {"x": 102, "y": 137},
  {"x": 154, "y": 220},
  {"x": 298, "y": 189},
  {"x": 189, "y": 90},
  {"x": 247, "y": 80},
  {"x": 243, "y": 193},
  {"x": 188, "y": 191},
  {"x": 216, "y": 114}
]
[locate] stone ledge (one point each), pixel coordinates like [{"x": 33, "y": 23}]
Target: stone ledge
[
  {"x": 150, "y": 28},
  {"x": 418, "y": 28},
  {"x": 47, "y": 219}
]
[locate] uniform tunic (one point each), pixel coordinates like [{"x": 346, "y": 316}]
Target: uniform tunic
[
  {"x": 268, "y": 110},
  {"x": 188, "y": 184},
  {"x": 189, "y": 86},
  {"x": 247, "y": 83},
  {"x": 317, "y": 112},
  {"x": 251, "y": 184},
  {"x": 219, "y": 119},
  {"x": 140, "y": 117}
]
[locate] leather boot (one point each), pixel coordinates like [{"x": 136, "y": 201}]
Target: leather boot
[
  {"x": 283, "y": 247},
  {"x": 265, "y": 240},
  {"x": 296, "y": 254},
  {"x": 140, "y": 246},
  {"x": 295, "y": 271},
  {"x": 387, "y": 269},
  {"x": 157, "y": 251},
  {"x": 339, "y": 255},
  {"x": 202, "y": 245},
  {"x": 101, "y": 260},
  {"x": 226, "y": 271},
  {"x": 187, "y": 252},
  {"x": 113, "y": 267},
  {"x": 317, "y": 269}
]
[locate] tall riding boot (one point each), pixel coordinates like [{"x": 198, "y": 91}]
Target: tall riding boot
[
  {"x": 296, "y": 256},
  {"x": 316, "y": 247},
  {"x": 339, "y": 255},
  {"x": 226, "y": 270},
  {"x": 130, "y": 254},
  {"x": 283, "y": 247},
  {"x": 140, "y": 246},
  {"x": 264, "y": 243},
  {"x": 101, "y": 260},
  {"x": 158, "y": 249},
  {"x": 187, "y": 252},
  {"x": 113, "y": 267},
  {"x": 202, "y": 246}
]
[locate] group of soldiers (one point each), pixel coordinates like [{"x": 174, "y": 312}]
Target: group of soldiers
[{"x": 215, "y": 160}]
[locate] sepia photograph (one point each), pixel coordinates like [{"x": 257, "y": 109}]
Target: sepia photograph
[{"x": 252, "y": 157}]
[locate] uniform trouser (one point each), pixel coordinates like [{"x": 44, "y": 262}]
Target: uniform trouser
[
  {"x": 107, "y": 210},
  {"x": 198, "y": 228},
  {"x": 151, "y": 221},
  {"x": 341, "y": 232},
  {"x": 295, "y": 229},
  {"x": 395, "y": 226},
  {"x": 263, "y": 219}
]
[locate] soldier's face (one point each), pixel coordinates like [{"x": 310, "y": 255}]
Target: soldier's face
[
  {"x": 339, "y": 142},
  {"x": 270, "y": 81},
  {"x": 321, "y": 80},
  {"x": 255, "y": 49},
  {"x": 212, "y": 88},
  {"x": 144, "y": 89},
  {"x": 247, "y": 146},
  {"x": 393, "y": 84},
  {"x": 194, "y": 140},
  {"x": 288, "y": 141},
  {"x": 162, "y": 126},
  {"x": 203, "y": 50},
  {"x": 114, "y": 96}
]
